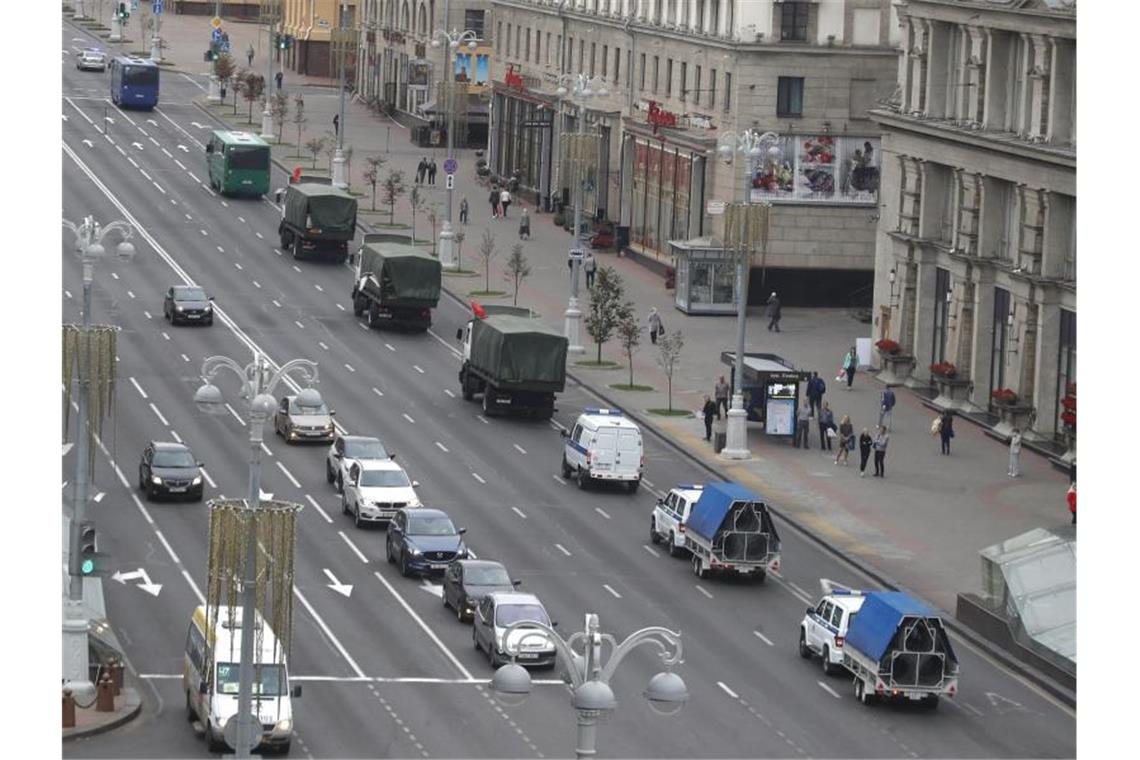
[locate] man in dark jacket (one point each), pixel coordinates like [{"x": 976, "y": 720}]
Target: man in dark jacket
[
  {"x": 773, "y": 312},
  {"x": 815, "y": 390},
  {"x": 886, "y": 407},
  {"x": 709, "y": 412}
]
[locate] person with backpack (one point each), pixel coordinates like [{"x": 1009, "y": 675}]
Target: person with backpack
[
  {"x": 886, "y": 405},
  {"x": 815, "y": 390}
]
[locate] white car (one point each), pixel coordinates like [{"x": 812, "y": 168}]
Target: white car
[
  {"x": 669, "y": 515},
  {"x": 346, "y": 449},
  {"x": 375, "y": 491},
  {"x": 824, "y": 627},
  {"x": 603, "y": 445},
  {"x": 91, "y": 60}
]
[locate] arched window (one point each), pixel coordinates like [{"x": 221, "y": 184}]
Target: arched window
[
  {"x": 405, "y": 17},
  {"x": 421, "y": 23}
]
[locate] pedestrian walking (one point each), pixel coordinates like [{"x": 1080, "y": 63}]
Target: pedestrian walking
[
  {"x": 591, "y": 265},
  {"x": 1015, "y": 454},
  {"x": 849, "y": 362},
  {"x": 846, "y": 440},
  {"x": 721, "y": 392},
  {"x": 946, "y": 429},
  {"x": 826, "y": 421},
  {"x": 773, "y": 312},
  {"x": 494, "y": 200},
  {"x": 886, "y": 405},
  {"x": 882, "y": 438},
  {"x": 336, "y": 124},
  {"x": 431, "y": 170},
  {"x": 803, "y": 426},
  {"x": 815, "y": 390},
  {"x": 865, "y": 443},
  {"x": 421, "y": 170},
  {"x": 655, "y": 325},
  {"x": 709, "y": 411},
  {"x": 223, "y": 91},
  {"x": 505, "y": 201},
  {"x": 524, "y": 225},
  {"x": 249, "y": 56},
  {"x": 1071, "y": 498},
  {"x": 463, "y": 211},
  {"x": 280, "y": 77}
]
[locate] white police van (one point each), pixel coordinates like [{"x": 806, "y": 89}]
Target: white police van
[
  {"x": 824, "y": 627},
  {"x": 669, "y": 515},
  {"x": 603, "y": 445}
]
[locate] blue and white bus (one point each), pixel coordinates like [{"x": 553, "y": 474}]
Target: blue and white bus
[{"x": 134, "y": 82}]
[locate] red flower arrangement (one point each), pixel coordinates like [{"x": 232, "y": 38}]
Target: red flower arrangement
[
  {"x": 1004, "y": 396},
  {"x": 819, "y": 150},
  {"x": 888, "y": 346},
  {"x": 943, "y": 369}
]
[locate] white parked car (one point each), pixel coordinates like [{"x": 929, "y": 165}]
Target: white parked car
[
  {"x": 346, "y": 449},
  {"x": 824, "y": 627},
  {"x": 91, "y": 60},
  {"x": 374, "y": 491},
  {"x": 669, "y": 515}
]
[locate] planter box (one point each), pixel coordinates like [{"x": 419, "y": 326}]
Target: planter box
[
  {"x": 953, "y": 393},
  {"x": 1015, "y": 416},
  {"x": 896, "y": 368}
]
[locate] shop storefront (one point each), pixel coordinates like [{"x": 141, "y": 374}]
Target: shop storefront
[
  {"x": 522, "y": 141},
  {"x": 705, "y": 277}
]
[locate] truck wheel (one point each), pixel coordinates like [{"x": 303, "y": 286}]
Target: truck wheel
[
  {"x": 653, "y": 537},
  {"x": 861, "y": 691},
  {"x": 698, "y": 568},
  {"x": 828, "y": 668},
  {"x": 632, "y": 485},
  {"x": 567, "y": 471},
  {"x": 344, "y": 505},
  {"x": 583, "y": 479},
  {"x": 760, "y": 577},
  {"x": 286, "y": 239},
  {"x": 805, "y": 650},
  {"x": 674, "y": 550},
  {"x": 357, "y": 305},
  {"x": 373, "y": 316},
  {"x": 488, "y": 401},
  {"x": 297, "y": 255},
  {"x": 468, "y": 391}
]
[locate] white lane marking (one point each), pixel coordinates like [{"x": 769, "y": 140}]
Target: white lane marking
[
  {"x": 133, "y": 163},
  {"x": 362, "y": 326},
  {"x": 265, "y": 449},
  {"x": 703, "y": 591},
  {"x": 340, "y": 307},
  {"x": 235, "y": 414},
  {"x": 158, "y": 186},
  {"x": 318, "y": 287},
  {"x": 389, "y": 346},
  {"x": 647, "y": 482},
  {"x": 263, "y": 238},
  {"x": 276, "y": 304},
  {"x": 175, "y": 436},
  {"x": 299, "y": 325},
  {"x": 651, "y": 550},
  {"x": 417, "y": 368},
  {"x": 193, "y": 177},
  {"x": 204, "y": 232},
  {"x": 602, "y": 512},
  {"x": 160, "y": 417},
  {"x": 797, "y": 588},
  {"x": 518, "y": 512},
  {"x": 67, "y": 293},
  {"x": 289, "y": 475},
  {"x": 317, "y": 507},
  {"x": 482, "y": 419},
  {"x": 120, "y": 149},
  {"x": 519, "y": 449},
  {"x": 559, "y": 479},
  {"x": 220, "y": 249},
  {"x": 828, "y": 689},
  {"x": 763, "y": 638},
  {"x": 241, "y": 219},
  {"x": 143, "y": 172},
  {"x": 563, "y": 549},
  {"x": 349, "y": 367},
  {"x": 607, "y": 587},
  {"x": 336, "y": 642},
  {"x": 256, "y": 284},
  {"x": 153, "y": 140},
  {"x": 352, "y": 546},
  {"x": 727, "y": 690},
  {"x": 296, "y": 269},
  {"x": 448, "y": 392},
  {"x": 409, "y": 419},
  {"x": 115, "y": 275},
  {"x": 377, "y": 391},
  {"x": 445, "y": 344},
  {"x": 180, "y": 165},
  {"x": 168, "y": 153},
  {"x": 321, "y": 343},
  {"x": 225, "y": 204},
  {"x": 144, "y": 132},
  {"x": 478, "y": 477},
  {"x": 165, "y": 335},
  {"x": 238, "y": 266},
  {"x": 209, "y": 480},
  {"x": 454, "y": 661},
  {"x": 188, "y": 217},
  {"x": 972, "y": 709},
  {"x": 441, "y": 447},
  {"x": 138, "y": 387},
  {"x": 185, "y": 358}
]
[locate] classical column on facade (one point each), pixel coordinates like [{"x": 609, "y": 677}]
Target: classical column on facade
[
  {"x": 963, "y": 338},
  {"x": 1027, "y": 378},
  {"x": 995, "y": 94},
  {"x": 925, "y": 275},
  {"x": 1061, "y": 127},
  {"x": 1032, "y": 237},
  {"x": 975, "y": 76},
  {"x": 982, "y": 338},
  {"x": 1048, "y": 332},
  {"x": 1038, "y": 86},
  {"x": 910, "y": 195},
  {"x": 908, "y": 302},
  {"x": 917, "y": 55},
  {"x": 1060, "y": 215},
  {"x": 906, "y": 29},
  {"x": 991, "y": 222},
  {"x": 935, "y": 181},
  {"x": 968, "y": 185}
]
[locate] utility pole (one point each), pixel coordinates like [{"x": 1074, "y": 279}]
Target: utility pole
[{"x": 338, "y": 178}]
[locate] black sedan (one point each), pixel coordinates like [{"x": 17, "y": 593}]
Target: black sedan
[
  {"x": 466, "y": 581},
  {"x": 423, "y": 541},
  {"x": 188, "y": 304},
  {"x": 170, "y": 469}
]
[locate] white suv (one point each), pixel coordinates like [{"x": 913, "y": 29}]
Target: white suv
[
  {"x": 374, "y": 491},
  {"x": 667, "y": 522},
  {"x": 824, "y": 627},
  {"x": 603, "y": 445}
]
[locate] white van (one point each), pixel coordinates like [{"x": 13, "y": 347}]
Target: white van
[
  {"x": 210, "y": 675},
  {"x": 603, "y": 445}
]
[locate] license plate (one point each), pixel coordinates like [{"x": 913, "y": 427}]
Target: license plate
[
  {"x": 178, "y": 490},
  {"x": 438, "y": 565},
  {"x": 528, "y": 656},
  {"x": 193, "y": 316}
]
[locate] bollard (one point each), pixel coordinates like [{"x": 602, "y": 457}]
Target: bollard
[
  {"x": 116, "y": 668},
  {"x": 68, "y": 709},
  {"x": 105, "y": 694}
]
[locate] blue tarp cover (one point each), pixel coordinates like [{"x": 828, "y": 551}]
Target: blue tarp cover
[
  {"x": 877, "y": 620},
  {"x": 715, "y": 501}
]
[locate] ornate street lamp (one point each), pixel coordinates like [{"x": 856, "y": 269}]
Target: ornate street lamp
[{"x": 447, "y": 84}]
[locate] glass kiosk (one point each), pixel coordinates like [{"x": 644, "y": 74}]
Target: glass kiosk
[{"x": 771, "y": 388}]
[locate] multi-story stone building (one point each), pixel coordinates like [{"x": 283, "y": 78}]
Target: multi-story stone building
[
  {"x": 310, "y": 24},
  {"x": 680, "y": 75},
  {"x": 977, "y": 245}
]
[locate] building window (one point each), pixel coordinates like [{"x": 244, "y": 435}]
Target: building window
[
  {"x": 473, "y": 20},
  {"x": 518, "y": 41},
  {"x": 794, "y": 21},
  {"x": 942, "y": 295},
  {"x": 790, "y": 96},
  {"x": 1010, "y": 210},
  {"x": 684, "y": 78},
  {"x": 656, "y": 72},
  {"x": 697, "y": 87},
  {"x": 727, "y": 91},
  {"x": 499, "y": 34},
  {"x": 629, "y": 69},
  {"x": 641, "y": 86},
  {"x": 508, "y": 40},
  {"x": 712, "y": 88},
  {"x": 581, "y": 55},
  {"x": 700, "y": 15},
  {"x": 617, "y": 65},
  {"x": 605, "y": 60},
  {"x": 593, "y": 56},
  {"x": 526, "y": 56},
  {"x": 668, "y": 77},
  {"x": 538, "y": 46},
  {"x": 548, "y": 48},
  {"x": 1001, "y": 333},
  {"x": 569, "y": 53}
]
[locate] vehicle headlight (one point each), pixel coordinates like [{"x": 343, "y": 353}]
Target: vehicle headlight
[
  {"x": 414, "y": 551},
  {"x": 415, "y": 503},
  {"x": 178, "y": 308},
  {"x": 197, "y": 481},
  {"x": 284, "y": 725},
  {"x": 156, "y": 480},
  {"x": 462, "y": 552},
  {"x": 209, "y": 307}
]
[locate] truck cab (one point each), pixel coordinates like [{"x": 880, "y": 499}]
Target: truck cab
[
  {"x": 604, "y": 445},
  {"x": 667, "y": 522},
  {"x": 824, "y": 627}
]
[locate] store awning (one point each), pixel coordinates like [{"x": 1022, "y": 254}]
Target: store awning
[{"x": 475, "y": 107}]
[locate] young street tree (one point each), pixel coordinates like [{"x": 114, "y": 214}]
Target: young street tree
[
  {"x": 279, "y": 112},
  {"x": 460, "y": 236},
  {"x": 252, "y": 85},
  {"x": 372, "y": 174},
  {"x": 393, "y": 188},
  {"x": 224, "y": 68},
  {"x": 487, "y": 251},
  {"x": 518, "y": 268},
  {"x": 416, "y": 201},
  {"x": 315, "y": 145},
  {"x": 670, "y": 347},
  {"x": 433, "y": 212},
  {"x": 629, "y": 335},
  {"x": 299, "y": 118},
  {"x": 607, "y": 307}
]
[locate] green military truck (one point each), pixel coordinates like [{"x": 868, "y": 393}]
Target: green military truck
[
  {"x": 395, "y": 284},
  {"x": 317, "y": 219},
  {"x": 515, "y": 362}
]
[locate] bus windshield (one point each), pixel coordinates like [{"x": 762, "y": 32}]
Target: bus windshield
[
  {"x": 146, "y": 76},
  {"x": 248, "y": 157},
  {"x": 268, "y": 679}
]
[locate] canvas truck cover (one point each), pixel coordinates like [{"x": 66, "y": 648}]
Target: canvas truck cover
[
  {"x": 404, "y": 275},
  {"x": 874, "y": 627},
  {"x": 519, "y": 352},
  {"x": 326, "y": 208},
  {"x": 714, "y": 504}
]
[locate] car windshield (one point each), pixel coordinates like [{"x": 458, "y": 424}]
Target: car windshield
[
  {"x": 189, "y": 294},
  {"x": 268, "y": 680},
  {"x": 487, "y": 576},
  {"x": 430, "y": 526},
  {"x": 384, "y": 479},
  {"x": 173, "y": 459},
  {"x": 369, "y": 448},
  {"x": 248, "y": 156},
  {"x": 505, "y": 614},
  {"x": 296, "y": 408}
]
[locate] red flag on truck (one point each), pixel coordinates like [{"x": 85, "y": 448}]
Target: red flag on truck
[{"x": 478, "y": 311}]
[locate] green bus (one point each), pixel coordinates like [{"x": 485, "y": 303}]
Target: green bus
[{"x": 239, "y": 163}]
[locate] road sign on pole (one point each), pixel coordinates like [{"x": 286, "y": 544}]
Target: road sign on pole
[
  {"x": 450, "y": 166},
  {"x": 157, "y": 7},
  {"x": 450, "y": 184},
  {"x": 216, "y": 22}
]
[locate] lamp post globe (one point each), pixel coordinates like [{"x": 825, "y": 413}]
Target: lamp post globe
[
  {"x": 511, "y": 684},
  {"x": 309, "y": 397},
  {"x": 125, "y": 251},
  {"x": 594, "y": 695},
  {"x": 666, "y": 693},
  {"x": 264, "y": 404},
  {"x": 94, "y": 252},
  {"x": 208, "y": 399}
]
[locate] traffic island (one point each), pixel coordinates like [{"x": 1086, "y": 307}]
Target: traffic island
[{"x": 89, "y": 720}]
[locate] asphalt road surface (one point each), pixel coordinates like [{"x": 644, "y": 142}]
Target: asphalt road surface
[{"x": 387, "y": 670}]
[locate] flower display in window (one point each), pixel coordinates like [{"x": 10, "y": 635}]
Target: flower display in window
[
  {"x": 943, "y": 369},
  {"x": 888, "y": 346},
  {"x": 1004, "y": 396}
]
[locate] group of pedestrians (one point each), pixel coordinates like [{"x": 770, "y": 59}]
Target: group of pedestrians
[
  {"x": 843, "y": 432},
  {"x": 500, "y": 200},
  {"x": 426, "y": 170},
  {"x": 712, "y": 407}
]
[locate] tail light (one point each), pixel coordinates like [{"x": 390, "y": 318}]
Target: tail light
[
  {"x": 642, "y": 465},
  {"x": 588, "y": 457},
  {"x": 680, "y": 527},
  {"x": 879, "y": 688},
  {"x": 952, "y": 689},
  {"x": 838, "y": 642}
]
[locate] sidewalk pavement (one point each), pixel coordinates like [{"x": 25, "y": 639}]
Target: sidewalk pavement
[
  {"x": 921, "y": 527},
  {"x": 89, "y": 722}
]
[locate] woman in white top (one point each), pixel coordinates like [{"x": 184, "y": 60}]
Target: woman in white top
[{"x": 505, "y": 201}]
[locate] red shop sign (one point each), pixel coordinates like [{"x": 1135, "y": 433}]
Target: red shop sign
[
  {"x": 659, "y": 117},
  {"x": 513, "y": 79}
]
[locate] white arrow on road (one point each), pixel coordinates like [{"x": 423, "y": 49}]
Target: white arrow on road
[
  {"x": 337, "y": 586},
  {"x": 183, "y": 148},
  {"x": 89, "y": 144},
  {"x": 152, "y": 121},
  {"x": 146, "y": 585},
  {"x": 109, "y": 119},
  {"x": 64, "y": 116},
  {"x": 199, "y": 126},
  {"x": 432, "y": 588},
  {"x": 137, "y": 145}
]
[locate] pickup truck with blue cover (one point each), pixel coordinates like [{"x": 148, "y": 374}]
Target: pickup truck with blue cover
[{"x": 730, "y": 531}]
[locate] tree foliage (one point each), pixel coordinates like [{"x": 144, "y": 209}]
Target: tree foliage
[
  {"x": 394, "y": 188},
  {"x": 487, "y": 251},
  {"x": 372, "y": 174},
  {"x": 670, "y": 348},
  {"x": 608, "y": 307},
  {"x": 629, "y": 335},
  {"x": 315, "y": 145},
  {"x": 518, "y": 268},
  {"x": 252, "y": 85}
]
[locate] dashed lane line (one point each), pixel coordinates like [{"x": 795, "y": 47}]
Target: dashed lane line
[
  {"x": 288, "y": 474},
  {"x": 704, "y": 591},
  {"x": 559, "y": 479},
  {"x": 377, "y": 391},
  {"x": 602, "y": 512},
  {"x": 563, "y": 549},
  {"x": 448, "y": 392},
  {"x": 418, "y": 368},
  {"x": 349, "y": 367},
  {"x": 519, "y": 449},
  {"x": 726, "y": 690},
  {"x": 441, "y": 447},
  {"x": 209, "y": 480},
  {"x": 478, "y": 477},
  {"x": 408, "y": 418},
  {"x": 138, "y": 387},
  {"x": 763, "y": 638},
  {"x": 317, "y": 507},
  {"x": 175, "y": 436},
  {"x": 331, "y": 636},
  {"x": 299, "y": 325},
  {"x": 609, "y": 588},
  {"x": 651, "y": 550},
  {"x": 352, "y": 546},
  {"x": 828, "y": 689},
  {"x": 482, "y": 419},
  {"x": 236, "y": 415},
  {"x": 519, "y": 512},
  {"x": 159, "y": 414}
]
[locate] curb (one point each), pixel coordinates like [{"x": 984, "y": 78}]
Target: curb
[{"x": 132, "y": 707}]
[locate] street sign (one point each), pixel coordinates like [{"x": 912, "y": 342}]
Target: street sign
[
  {"x": 157, "y": 7},
  {"x": 450, "y": 166},
  {"x": 216, "y": 22},
  {"x": 450, "y": 183},
  {"x": 216, "y": 35},
  {"x": 577, "y": 253},
  {"x": 134, "y": 5},
  {"x": 252, "y": 731},
  {"x": 715, "y": 207}
]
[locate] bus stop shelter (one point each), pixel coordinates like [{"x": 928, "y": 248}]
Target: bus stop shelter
[{"x": 771, "y": 388}]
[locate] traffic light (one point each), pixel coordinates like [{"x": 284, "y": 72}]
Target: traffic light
[
  {"x": 123, "y": 13},
  {"x": 288, "y": 42},
  {"x": 90, "y": 562}
]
